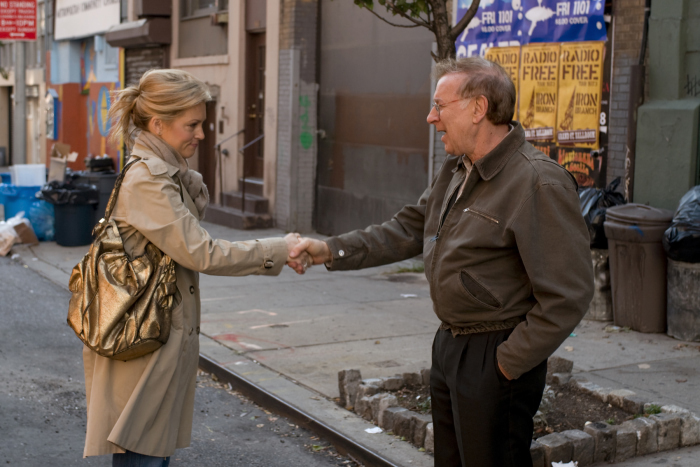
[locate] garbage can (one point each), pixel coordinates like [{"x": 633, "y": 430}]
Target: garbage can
[
  {"x": 684, "y": 300},
  {"x": 638, "y": 265},
  {"x": 104, "y": 181},
  {"x": 74, "y": 205},
  {"x": 17, "y": 199},
  {"x": 682, "y": 245}
]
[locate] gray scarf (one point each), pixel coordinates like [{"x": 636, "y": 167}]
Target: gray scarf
[{"x": 191, "y": 180}]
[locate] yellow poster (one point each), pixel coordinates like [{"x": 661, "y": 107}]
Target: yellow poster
[
  {"x": 509, "y": 59},
  {"x": 539, "y": 71},
  {"x": 580, "y": 81}
]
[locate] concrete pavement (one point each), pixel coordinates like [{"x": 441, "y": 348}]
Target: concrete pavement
[
  {"x": 42, "y": 396},
  {"x": 292, "y": 334}
]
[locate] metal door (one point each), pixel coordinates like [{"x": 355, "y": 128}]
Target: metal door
[{"x": 255, "y": 104}]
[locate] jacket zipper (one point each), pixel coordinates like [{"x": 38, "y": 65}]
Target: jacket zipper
[
  {"x": 481, "y": 214},
  {"x": 442, "y": 214}
]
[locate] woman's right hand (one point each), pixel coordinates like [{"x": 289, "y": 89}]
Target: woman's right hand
[{"x": 300, "y": 262}]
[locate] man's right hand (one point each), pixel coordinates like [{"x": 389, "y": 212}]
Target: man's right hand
[{"x": 317, "y": 249}]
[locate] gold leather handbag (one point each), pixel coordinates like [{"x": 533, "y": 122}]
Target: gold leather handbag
[{"x": 121, "y": 307}]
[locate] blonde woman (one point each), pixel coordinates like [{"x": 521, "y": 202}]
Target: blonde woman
[{"x": 141, "y": 410}]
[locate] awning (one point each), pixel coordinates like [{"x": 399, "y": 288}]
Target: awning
[{"x": 140, "y": 33}]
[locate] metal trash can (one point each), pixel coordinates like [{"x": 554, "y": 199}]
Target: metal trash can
[
  {"x": 638, "y": 265},
  {"x": 104, "y": 181},
  {"x": 684, "y": 300},
  {"x": 75, "y": 211}
]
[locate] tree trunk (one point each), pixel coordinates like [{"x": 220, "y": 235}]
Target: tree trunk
[{"x": 445, "y": 45}]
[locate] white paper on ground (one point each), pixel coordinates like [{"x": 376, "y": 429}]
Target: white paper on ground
[{"x": 374, "y": 430}]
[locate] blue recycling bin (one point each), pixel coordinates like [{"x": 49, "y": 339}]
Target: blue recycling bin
[
  {"x": 16, "y": 199},
  {"x": 6, "y": 177}
]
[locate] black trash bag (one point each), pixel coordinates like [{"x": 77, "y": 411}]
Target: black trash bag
[
  {"x": 594, "y": 204},
  {"x": 68, "y": 193},
  {"x": 682, "y": 240}
]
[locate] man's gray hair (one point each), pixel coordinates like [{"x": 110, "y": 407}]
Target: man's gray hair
[{"x": 483, "y": 78}]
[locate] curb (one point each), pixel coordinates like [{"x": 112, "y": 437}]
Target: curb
[{"x": 344, "y": 444}]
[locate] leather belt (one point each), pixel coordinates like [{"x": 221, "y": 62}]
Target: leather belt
[{"x": 484, "y": 326}]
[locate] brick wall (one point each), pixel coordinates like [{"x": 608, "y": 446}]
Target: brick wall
[
  {"x": 628, "y": 18},
  {"x": 297, "y": 115}
]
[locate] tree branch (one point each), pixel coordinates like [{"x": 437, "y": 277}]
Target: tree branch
[
  {"x": 393, "y": 24},
  {"x": 459, "y": 27},
  {"x": 390, "y": 5}
]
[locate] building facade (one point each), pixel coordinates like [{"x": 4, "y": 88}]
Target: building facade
[
  {"x": 35, "y": 82},
  {"x": 318, "y": 112}
]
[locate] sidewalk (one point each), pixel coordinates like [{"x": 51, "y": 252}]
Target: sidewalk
[{"x": 292, "y": 334}]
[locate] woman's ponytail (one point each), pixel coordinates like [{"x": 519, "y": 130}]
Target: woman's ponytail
[{"x": 121, "y": 114}]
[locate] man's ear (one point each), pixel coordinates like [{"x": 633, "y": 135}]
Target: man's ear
[{"x": 481, "y": 107}]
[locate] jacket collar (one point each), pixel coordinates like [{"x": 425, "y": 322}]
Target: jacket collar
[
  {"x": 145, "y": 153},
  {"x": 493, "y": 162}
]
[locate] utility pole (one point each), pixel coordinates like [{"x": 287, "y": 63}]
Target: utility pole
[{"x": 19, "y": 119}]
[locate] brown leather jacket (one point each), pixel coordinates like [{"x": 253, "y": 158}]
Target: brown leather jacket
[{"x": 514, "y": 247}]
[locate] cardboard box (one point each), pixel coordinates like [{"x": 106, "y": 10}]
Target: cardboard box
[
  {"x": 60, "y": 150},
  {"x": 58, "y": 162},
  {"x": 26, "y": 233}
]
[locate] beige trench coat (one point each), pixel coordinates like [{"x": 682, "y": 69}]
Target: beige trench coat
[{"x": 146, "y": 405}]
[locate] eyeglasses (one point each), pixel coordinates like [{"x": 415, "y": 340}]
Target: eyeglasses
[{"x": 437, "y": 106}]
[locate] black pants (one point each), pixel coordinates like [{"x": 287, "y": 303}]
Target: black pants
[{"x": 480, "y": 418}]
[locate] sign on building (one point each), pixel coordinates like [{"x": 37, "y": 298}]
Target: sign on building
[
  {"x": 501, "y": 23},
  {"x": 555, "y": 52},
  {"x": 18, "y": 20},
  {"x": 580, "y": 89},
  {"x": 539, "y": 85},
  {"x": 81, "y": 18}
]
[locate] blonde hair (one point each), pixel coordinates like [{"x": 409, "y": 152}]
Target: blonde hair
[{"x": 162, "y": 94}]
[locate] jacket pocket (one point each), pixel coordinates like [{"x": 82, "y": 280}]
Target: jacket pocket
[
  {"x": 484, "y": 216},
  {"x": 477, "y": 291}
]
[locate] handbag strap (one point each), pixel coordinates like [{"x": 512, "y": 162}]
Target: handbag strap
[{"x": 112, "y": 199}]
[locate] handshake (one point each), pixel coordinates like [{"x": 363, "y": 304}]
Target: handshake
[{"x": 304, "y": 252}]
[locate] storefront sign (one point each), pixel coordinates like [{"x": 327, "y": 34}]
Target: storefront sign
[
  {"x": 580, "y": 82},
  {"x": 509, "y": 59},
  {"x": 501, "y": 23},
  {"x": 539, "y": 72},
  {"x": 18, "y": 20},
  {"x": 581, "y": 163},
  {"x": 82, "y": 18}
]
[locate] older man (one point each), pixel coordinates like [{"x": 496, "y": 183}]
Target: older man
[{"x": 507, "y": 257}]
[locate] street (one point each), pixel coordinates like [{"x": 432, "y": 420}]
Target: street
[{"x": 42, "y": 396}]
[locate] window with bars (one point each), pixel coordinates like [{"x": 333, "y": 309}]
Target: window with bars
[{"x": 196, "y": 8}]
